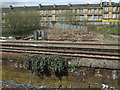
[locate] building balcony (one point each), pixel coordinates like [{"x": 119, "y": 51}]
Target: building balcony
[
  {"x": 116, "y": 12},
  {"x": 106, "y": 12},
  {"x": 81, "y": 13},
  {"x": 43, "y": 14},
  {"x": 98, "y": 14},
  {"x": 49, "y": 15},
  {"x": 73, "y": 21},
  {"x": 94, "y": 20},
  {"x": 89, "y": 13}
]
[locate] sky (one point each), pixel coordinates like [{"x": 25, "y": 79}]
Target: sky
[{"x": 17, "y": 3}]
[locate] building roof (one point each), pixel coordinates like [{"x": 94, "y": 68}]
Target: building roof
[
  {"x": 112, "y": 4},
  {"x": 19, "y": 9},
  {"x": 52, "y": 7},
  {"x": 57, "y": 7},
  {"x": 76, "y": 6}
]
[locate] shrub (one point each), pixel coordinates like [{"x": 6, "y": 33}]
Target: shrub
[{"x": 47, "y": 65}]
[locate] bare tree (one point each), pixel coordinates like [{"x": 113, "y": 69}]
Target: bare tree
[{"x": 21, "y": 23}]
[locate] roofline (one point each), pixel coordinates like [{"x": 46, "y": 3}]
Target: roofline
[{"x": 51, "y": 5}]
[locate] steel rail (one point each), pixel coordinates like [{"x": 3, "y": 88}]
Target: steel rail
[
  {"x": 59, "y": 51},
  {"x": 62, "y": 47},
  {"x": 90, "y": 44},
  {"x": 63, "y": 54}
]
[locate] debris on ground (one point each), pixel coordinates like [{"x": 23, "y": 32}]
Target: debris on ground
[{"x": 69, "y": 34}]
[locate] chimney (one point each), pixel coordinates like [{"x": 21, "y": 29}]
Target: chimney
[
  {"x": 40, "y": 5},
  {"x": 101, "y": 3},
  {"x": 10, "y": 7},
  {"x": 110, "y": 2},
  {"x": 69, "y": 4},
  {"x": 54, "y": 5},
  {"x": 25, "y": 6},
  {"x": 87, "y": 3}
]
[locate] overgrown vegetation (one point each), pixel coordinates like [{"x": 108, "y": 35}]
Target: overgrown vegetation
[
  {"x": 47, "y": 65},
  {"x": 109, "y": 32},
  {"x": 20, "y": 23},
  {"x": 105, "y": 29}
]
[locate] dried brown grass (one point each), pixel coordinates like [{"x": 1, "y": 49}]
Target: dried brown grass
[
  {"x": 70, "y": 34},
  {"x": 13, "y": 56}
]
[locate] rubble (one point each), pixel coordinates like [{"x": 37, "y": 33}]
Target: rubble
[{"x": 70, "y": 34}]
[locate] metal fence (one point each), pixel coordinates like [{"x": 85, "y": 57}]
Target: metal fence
[{"x": 64, "y": 26}]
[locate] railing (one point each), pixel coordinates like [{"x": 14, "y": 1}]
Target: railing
[{"x": 65, "y": 26}]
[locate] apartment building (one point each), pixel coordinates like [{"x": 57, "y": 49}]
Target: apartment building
[
  {"x": 102, "y": 13},
  {"x": 111, "y": 12}
]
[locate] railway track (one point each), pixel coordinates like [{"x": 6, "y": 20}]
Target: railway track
[
  {"x": 64, "y": 43},
  {"x": 64, "y": 53},
  {"x": 102, "y": 51},
  {"x": 65, "y": 47}
]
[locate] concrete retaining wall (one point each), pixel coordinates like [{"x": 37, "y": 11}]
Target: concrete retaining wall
[{"x": 98, "y": 63}]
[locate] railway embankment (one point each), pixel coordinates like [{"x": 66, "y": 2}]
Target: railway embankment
[
  {"x": 82, "y": 76},
  {"x": 77, "y": 61},
  {"x": 96, "y": 63},
  {"x": 95, "y": 55},
  {"x": 74, "y": 65}
]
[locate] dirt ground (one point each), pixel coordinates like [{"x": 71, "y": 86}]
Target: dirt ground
[{"x": 70, "y": 34}]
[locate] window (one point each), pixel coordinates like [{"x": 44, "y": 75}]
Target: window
[
  {"x": 40, "y": 12},
  {"x": 71, "y": 18},
  {"x": 44, "y": 12},
  {"x": 81, "y": 18},
  {"x": 48, "y": 25},
  {"x": 105, "y": 8},
  {"x": 81, "y": 11},
  {"x": 89, "y": 10},
  {"x": 117, "y": 16},
  {"x": 66, "y": 11},
  {"x": 71, "y": 10},
  {"x": 95, "y": 23},
  {"x": 49, "y": 12},
  {"x": 49, "y": 18},
  {"x": 62, "y": 18},
  {"x": 75, "y": 11},
  {"x": 95, "y": 11},
  {"x": 117, "y": 8},
  {"x": 89, "y": 17},
  {"x": 99, "y": 11},
  {"x": 40, "y": 18},
  {"x": 44, "y": 18},
  {"x": 43, "y": 24},
  {"x": 113, "y": 15},
  {"x": 99, "y": 18},
  {"x": 3, "y": 14},
  {"x": 62, "y": 11},
  {"x": 57, "y": 18},
  {"x": 95, "y": 17},
  {"x": 57, "y": 12},
  {"x": 113, "y": 9},
  {"x": 67, "y": 18},
  {"x": 75, "y": 18},
  {"x": 105, "y": 15}
]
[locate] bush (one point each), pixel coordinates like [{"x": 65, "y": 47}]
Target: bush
[{"x": 47, "y": 65}]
